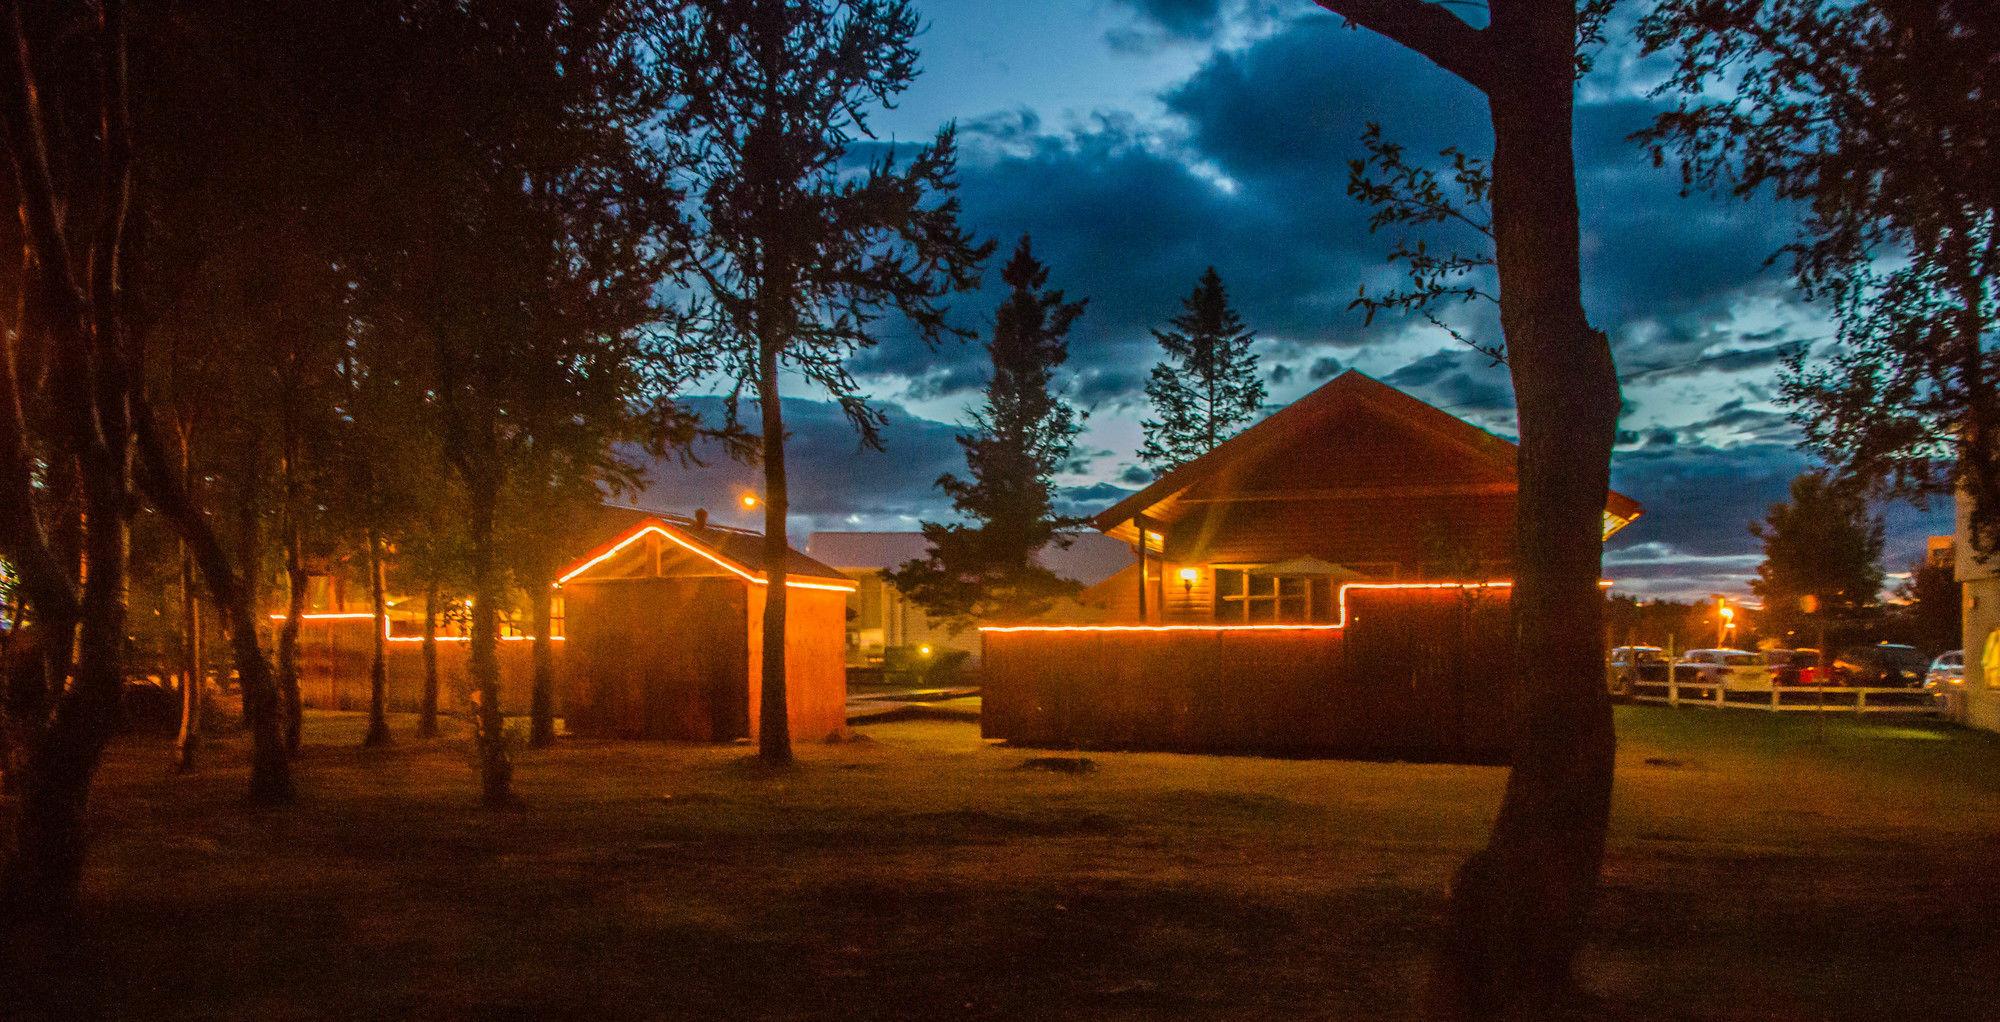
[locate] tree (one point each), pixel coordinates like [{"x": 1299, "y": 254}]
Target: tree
[
  {"x": 1882, "y": 117},
  {"x": 799, "y": 252},
  {"x": 1517, "y": 908},
  {"x": 522, "y": 298},
  {"x": 1822, "y": 543},
  {"x": 986, "y": 571},
  {"x": 1935, "y": 605},
  {"x": 1207, "y": 387},
  {"x": 73, "y": 417}
]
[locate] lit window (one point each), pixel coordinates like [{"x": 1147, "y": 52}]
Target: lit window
[{"x": 1243, "y": 598}]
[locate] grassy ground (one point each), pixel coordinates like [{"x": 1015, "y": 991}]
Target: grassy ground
[{"x": 1754, "y": 872}]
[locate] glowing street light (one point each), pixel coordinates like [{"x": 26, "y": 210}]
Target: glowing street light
[{"x": 749, "y": 500}]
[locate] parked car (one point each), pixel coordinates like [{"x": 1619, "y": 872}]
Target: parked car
[
  {"x": 1947, "y": 671},
  {"x": 1630, "y": 666},
  {"x": 1793, "y": 666},
  {"x": 1733, "y": 670},
  {"x": 1882, "y": 665}
]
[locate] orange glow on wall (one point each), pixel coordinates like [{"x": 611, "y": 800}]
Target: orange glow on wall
[
  {"x": 1342, "y": 623},
  {"x": 692, "y": 548}
]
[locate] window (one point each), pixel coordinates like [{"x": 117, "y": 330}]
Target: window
[{"x": 1244, "y": 598}]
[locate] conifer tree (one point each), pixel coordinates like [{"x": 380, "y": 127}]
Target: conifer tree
[
  {"x": 1207, "y": 387},
  {"x": 986, "y": 570}
]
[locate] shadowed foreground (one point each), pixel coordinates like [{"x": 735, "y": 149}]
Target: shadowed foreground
[{"x": 1753, "y": 873}]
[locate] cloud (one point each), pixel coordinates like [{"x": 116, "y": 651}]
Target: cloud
[
  {"x": 833, "y": 481},
  {"x": 1192, "y": 19},
  {"x": 1458, "y": 380}
]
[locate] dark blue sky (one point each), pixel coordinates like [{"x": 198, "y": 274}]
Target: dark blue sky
[{"x": 1140, "y": 141}]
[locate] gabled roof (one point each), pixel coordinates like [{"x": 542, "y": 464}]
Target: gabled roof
[
  {"x": 737, "y": 550},
  {"x": 1488, "y": 455}
]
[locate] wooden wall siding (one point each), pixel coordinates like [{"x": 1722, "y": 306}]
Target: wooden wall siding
[
  {"x": 815, "y": 661},
  {"x": 1416, "y": 674},
  {"x": 1343, "y": 531},
  {"x": 334, "y": 656},
  {"x": 657, "y": 658},
  {"x": 1358, "y": 449}
]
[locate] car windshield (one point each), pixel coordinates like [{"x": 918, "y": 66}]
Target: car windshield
[{"x": 1742, "y": 660}]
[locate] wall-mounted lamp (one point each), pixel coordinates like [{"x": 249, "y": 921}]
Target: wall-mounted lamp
[{"x": 1188, "y": 577}]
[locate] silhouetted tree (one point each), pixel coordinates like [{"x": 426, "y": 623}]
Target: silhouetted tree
[
  {"x": 800, "y": 252},
  {"x": 1934, "y": 607},
  {"x": 1517, "y": 909},
  {"x": 985, "y": 570},
  {"x": 1821, "y": 543},
  {"x": 1207, "y": 387},
  {"x": 1883, "y": 118},
  {"x": 525, "y": 294}
]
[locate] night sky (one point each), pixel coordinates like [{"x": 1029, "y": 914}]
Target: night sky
[{"x": 1140, "y": 141}]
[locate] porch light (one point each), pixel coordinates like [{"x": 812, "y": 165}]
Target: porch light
[{"x": 1188, "y": 577}]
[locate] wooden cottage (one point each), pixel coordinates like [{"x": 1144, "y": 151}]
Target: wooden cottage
[
  {"x": 1333, "y": 580},
  {"x": 664, "y": 633},
  {"x": 1354, "y": 482}
]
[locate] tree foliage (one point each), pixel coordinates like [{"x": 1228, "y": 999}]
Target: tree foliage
[
  {"x": 1401, "y": 192},
  {"x": 1883, "y": 118},
  {"x": 1934, "y": 606},
  {"x": 1207, "y": 387},
  {"x": 1821, "y": 543},
  {"x": 985, "y": 569},
  {"x": 799, "y": 251}
]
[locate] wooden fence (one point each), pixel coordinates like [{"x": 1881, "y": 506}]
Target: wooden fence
[
  {"x": 1419, "y": 673},
  {"x": 334, "y": 654},
  {"x": 1789, "y": 698}
]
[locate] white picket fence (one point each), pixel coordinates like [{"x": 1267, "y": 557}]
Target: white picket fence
[{"x": 1792, "y": 697}]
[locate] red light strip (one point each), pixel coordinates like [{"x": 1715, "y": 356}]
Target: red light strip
[
  {"x": 406, "y": 638},
  {"x": 731, "y": 568},
  {"x": 1342, "y": 623}
]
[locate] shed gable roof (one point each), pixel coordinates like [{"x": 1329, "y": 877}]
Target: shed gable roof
[
  {"x": 738, "y": 551},
  {"x": 1356, "y": 434}
]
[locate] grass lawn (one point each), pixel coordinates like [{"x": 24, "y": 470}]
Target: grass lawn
[{"x": 1754, "y": 872}]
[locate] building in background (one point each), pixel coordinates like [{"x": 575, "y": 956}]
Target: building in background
[{"x": 881, "y": 619}]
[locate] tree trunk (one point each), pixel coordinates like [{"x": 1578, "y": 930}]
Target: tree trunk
[
  {"x": 774, "y": 731},
  {"x": 427, "y": 713},
  {"x": 542, "y": 693},
  {"x": 1517, "y": 911},
  {"x": 378, "y": 666},
  {"x": 43, "y": 876},
  {"x": 270, "y": 769},
  {"x": 193, "y": 676},
  {"x": 496, "y": 767},
  {"x": 296, "y": 582}
]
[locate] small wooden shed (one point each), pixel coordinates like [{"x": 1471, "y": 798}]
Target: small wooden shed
[{"x": 664, "y": 625}]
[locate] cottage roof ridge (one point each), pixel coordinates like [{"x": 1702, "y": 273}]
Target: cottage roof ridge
[
  {"x": 741, "y": 548},
  {"x": 1353, "y": 385}
]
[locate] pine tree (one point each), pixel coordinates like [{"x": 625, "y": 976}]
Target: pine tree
[
  {"x": 1019, "y": 439},
  {"x": 1207, "y": 386}
]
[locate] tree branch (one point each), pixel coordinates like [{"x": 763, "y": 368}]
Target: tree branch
[{"x": 1439, "y": 35}]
